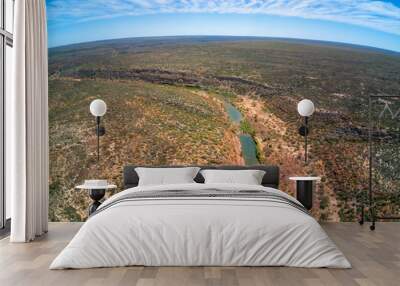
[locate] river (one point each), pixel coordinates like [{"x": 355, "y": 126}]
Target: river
[{"x": 248, "y": 146}]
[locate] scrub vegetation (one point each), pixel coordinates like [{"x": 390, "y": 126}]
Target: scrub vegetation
[{"x": 163, "y": 110}]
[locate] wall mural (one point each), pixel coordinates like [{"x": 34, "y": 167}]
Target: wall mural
[
  {"x": 176, "y": 99},
  {"x": 384, "y": 145}
]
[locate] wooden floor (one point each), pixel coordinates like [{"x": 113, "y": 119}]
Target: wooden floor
[{"x": 375, "y": 257}]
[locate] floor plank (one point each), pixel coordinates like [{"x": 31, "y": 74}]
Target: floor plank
[{"x": 375, "y": 257}]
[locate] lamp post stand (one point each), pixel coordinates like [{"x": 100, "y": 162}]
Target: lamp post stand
[
  {"x": 98, "y": 139},
  {"x": 303, "y": 131},
  {"x": 305, "y": 138},
  {"x": 100, "y": 131}
]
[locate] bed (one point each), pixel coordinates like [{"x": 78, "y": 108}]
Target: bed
[{"x": 197, "y": 224}]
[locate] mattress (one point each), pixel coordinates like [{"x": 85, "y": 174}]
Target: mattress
[{"x": 201, "y": 225}]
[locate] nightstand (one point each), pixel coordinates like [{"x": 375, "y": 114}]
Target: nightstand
[
  {"x": 96, "y": 193},
  {"x": 304, "y": 190}
]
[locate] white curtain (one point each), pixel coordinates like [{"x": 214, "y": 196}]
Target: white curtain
[{"x": 27, "y": 124}]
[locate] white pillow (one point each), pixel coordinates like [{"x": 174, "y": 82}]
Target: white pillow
[
  {"x": 166, "y": 176},
  {"x": 247, "y": 177}
]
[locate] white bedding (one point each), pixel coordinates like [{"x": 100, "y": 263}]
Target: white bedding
[{"x": 200, "y": 231}]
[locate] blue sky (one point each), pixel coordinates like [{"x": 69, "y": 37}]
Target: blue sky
[{"x": 364, "y": 22}]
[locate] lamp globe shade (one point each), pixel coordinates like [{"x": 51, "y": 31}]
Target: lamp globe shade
[
  {"x": 305, "y": 107},
  {"x": 98, "y": 107}
]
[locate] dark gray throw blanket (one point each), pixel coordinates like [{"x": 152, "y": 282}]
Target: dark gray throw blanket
[{"x": 206, "y": 194}]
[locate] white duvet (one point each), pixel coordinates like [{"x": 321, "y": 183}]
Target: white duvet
[{"x": 200, "y": 231}]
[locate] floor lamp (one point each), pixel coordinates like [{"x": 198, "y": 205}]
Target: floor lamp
[
  {"x": 98, "y": 108},
  {"x": 306, "y": 109}
]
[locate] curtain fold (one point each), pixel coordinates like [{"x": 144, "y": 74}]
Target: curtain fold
[{"x": 27, "y": 119}]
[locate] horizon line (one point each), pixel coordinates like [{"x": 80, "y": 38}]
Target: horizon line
[{"x": 234, "y": 36}]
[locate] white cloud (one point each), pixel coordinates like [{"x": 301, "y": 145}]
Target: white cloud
[{"x": 378, "y": 15}]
